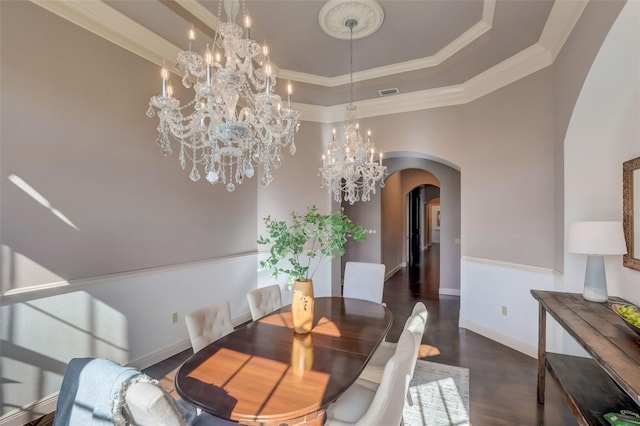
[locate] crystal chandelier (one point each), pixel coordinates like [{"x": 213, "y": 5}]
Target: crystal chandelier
[
  {"x": 349, "y": 168},
  {"x": 235, "y": 123}
]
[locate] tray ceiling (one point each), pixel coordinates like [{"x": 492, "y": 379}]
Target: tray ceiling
[{"x": 436, "y": 52}]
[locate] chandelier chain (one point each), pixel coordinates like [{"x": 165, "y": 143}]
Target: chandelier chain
[
  {"x": 351, "y": 23},
  {"x": 349, "y": 170}
]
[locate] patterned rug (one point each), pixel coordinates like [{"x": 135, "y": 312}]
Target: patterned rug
[{"x": 440, "y": 395}]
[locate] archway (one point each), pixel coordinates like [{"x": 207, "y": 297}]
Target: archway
[{"x": 370, "y": 215}]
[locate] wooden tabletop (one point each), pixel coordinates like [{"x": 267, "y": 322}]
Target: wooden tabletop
[
  {"x": 601, "y": 332},
  {"x": 264, "y": 373}
]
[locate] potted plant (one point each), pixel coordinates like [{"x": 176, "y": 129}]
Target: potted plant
[{"x": 306, "y": 238}]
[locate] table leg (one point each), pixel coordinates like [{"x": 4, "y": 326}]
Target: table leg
[{"x": 542, "y": 367}]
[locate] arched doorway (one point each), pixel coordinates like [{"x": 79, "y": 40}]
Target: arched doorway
[{"x": 389, "y": 244}]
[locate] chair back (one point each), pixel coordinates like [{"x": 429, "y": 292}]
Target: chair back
[
  {"x": 364, "y": 281},
  {"x": 149, "y": 405},
  {"x": 208, "y": 324},
  {"x": 416, "y": 324},
  {"x": 264, "y": 300},
  {"x": 388, "y": 402}
]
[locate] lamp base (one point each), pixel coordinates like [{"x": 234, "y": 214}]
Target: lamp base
[{"x": 595, "y": 280}]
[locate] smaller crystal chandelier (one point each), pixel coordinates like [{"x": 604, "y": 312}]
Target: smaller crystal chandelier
[
  {"x": 235, "y": 123},
  {"x": 349, "y": 167}
]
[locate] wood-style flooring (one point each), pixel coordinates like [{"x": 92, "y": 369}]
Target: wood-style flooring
[{"x": 502, "y": 381}]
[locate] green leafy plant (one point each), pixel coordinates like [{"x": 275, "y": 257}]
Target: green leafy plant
[{"x": 306, "y": 237}]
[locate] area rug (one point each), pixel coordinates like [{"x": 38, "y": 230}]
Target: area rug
[{"x": 440, "y": 395}]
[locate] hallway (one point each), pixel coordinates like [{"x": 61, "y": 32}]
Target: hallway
[{"x": 502, "y": 382}]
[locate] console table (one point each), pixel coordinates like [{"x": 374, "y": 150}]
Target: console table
[{"x": 610, "y": 381}]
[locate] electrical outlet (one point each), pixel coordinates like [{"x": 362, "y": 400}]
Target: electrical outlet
[
  {"x": 504, "y": 310},
  {"x": 174, "y": 317}
]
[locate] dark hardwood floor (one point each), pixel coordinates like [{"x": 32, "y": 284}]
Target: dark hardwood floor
[{"x": 502, "y": 381}]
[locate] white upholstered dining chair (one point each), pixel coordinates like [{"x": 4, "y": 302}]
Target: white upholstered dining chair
[
  {"x": 365, "y": 405},
  {"x": 264, "y": 300},
  {"x": 364, "y": 281},
  {"x": 416, "y": 324},
  {"x": 148, "y": 405},
  {"x": 98, "y": 391},
  {"x": 208, "y": 324}
]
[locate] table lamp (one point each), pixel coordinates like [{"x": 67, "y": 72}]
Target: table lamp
[{"x": 596, "y": 239}]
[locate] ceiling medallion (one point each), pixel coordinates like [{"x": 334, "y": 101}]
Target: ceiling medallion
[
  {"x": 349, "y": 169},
  {"x": 335, "y": 14}
]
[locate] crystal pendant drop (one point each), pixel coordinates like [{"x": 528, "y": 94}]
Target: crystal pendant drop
[
  {"x": 183, "y": 163},
  {"x": 150, "y": 112},
  {"x": 212, "y": 177},
  {"x": 195, "y": 174},
  {"x": 231, "y": 187}
]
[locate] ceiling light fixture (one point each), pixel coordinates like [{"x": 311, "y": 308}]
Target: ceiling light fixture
[
  {"x": 349, "y": 168},
  {"x": 235, "y": 122}
]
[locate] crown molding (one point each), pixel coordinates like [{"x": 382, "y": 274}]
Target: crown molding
[
  {"x": 442, "y": 55},
  {"x": 563, "y": 17},
  {"x": 416, "y": 64},
  {"x": 518, "y": 66},
  {"x": 99, "y": 18},
  {"x": 106, "y": 22},
  {"x": 197, "y": 9},
  {"x": 414, "y": 101}
]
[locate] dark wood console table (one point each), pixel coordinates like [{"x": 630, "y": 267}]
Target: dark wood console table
[{"x": 607, "y": 383}]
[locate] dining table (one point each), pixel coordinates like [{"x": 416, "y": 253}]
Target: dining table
[{"x": 263, "y": 373}]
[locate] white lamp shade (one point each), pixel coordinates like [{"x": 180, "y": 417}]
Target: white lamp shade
[{"x": 596, "y": 238}]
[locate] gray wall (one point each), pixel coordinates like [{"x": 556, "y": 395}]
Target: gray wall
[
  {"x": 74, "y": 129},
  {"x": 503, "y": 146},
  {"x": 368, "y": 215},
  {"x": 569, "y": 72},
  {"x": 393, "y": 223},
  {"x": 508, "y": 174},
  {"x": 103, "y": 209}
]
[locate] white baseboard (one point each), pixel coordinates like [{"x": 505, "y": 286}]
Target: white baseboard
[
  {"x": 169, "y": 351},
  {"x": 393, "y": 270},
  {"x": 160, "y": 355},
  {"x": 517, "y": 345},
  {"x": 24, "y": 415},
  {"x": 449, "y": 291}
]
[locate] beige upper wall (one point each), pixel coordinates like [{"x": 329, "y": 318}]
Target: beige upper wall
[
  {"x": 503, "y": 144},
  {"x": 393, "y": 222},
  {"x": 569, "y": 72},
  {"x": 74, "y": 128},
  {"x": 506, "y": 145},
  {"x": 507, "y": 174},
  {"x": 413, "y": 177}
]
